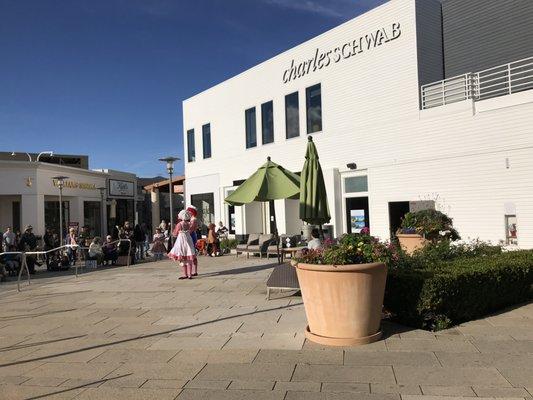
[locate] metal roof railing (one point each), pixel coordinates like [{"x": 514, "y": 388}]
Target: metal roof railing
[{"x": 493, "y": 82}]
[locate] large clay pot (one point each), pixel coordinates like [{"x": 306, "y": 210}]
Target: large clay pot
[
  {"x": 343, "y": 303},
  {"x": 410, "y": 242}
]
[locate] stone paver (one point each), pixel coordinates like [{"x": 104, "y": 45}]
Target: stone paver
[{"x": 139, "y": 333}]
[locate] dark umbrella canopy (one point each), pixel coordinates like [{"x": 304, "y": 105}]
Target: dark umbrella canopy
[
  {"x": 313, "y": 198},
  {"x": 270, "y": 182}
]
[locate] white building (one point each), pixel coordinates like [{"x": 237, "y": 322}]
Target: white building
[
  {"x": 29, "y": 196},
  {"x": 387, "y": 143}
]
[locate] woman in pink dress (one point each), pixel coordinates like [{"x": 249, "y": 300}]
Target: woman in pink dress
[
  {"x": 183, "y": 250},
  {"x": 193, "y": 228}
]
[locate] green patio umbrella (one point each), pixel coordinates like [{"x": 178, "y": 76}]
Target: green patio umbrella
[
  {"x": 270, "y": 182},
  {"x": 313, "y": 198}
]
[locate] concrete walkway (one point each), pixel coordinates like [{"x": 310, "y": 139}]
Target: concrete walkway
[{"x": 139, "y": 333}]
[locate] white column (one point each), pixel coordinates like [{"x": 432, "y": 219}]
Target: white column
[
  {"x": 333, "y": 183},
  {"x": 156, "y": 216},
  {"x": 32, "y": 212}
]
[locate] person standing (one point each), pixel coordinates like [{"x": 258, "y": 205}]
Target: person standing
[
  {"x": 158, "y": 246},
  {"x": 73, "y": 242},
  {"x": 138, "y": 236},
  {"x": 183, "y": 250},
  {"x": 9, "y": 240},
  {"x": 28, "y": 242},
  {"x": 194, "y": 236}
]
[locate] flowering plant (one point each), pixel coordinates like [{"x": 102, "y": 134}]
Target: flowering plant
[
  {"x": 355, "y": 248},
  {"x": 431, "y": 224}
]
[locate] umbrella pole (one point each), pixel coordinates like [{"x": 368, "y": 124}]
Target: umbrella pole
[
  {"x": 276, "y": 236},
  {"x": 321, "y": 232}
]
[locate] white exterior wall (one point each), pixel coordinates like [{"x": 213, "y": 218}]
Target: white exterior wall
[{"x": 455, "y": 154}]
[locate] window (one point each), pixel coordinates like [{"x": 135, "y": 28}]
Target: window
[
  {"x": 292, "y": 116},
  {"x": 205, "y": 204},
  {"x": 314, "y": 109},
  {"x": 267, "y": 122},
  {"x": 191, "y": 154},
  {"x": 251, "y": 133},
  {"x": 511, "y": 233},
  {"x": 206, "y": 139},
  {"x": 356, "y": 184}
]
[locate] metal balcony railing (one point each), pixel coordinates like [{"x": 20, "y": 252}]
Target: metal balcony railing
[{"x": 493, "y": 82}]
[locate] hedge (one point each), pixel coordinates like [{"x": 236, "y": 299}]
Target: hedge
[{"x": 449, "y": 293}]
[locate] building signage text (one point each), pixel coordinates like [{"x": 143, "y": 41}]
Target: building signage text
[
  {"x": 121, "y": 188},
  {"x": 76, "y": 185},
  {"x": 324, "y": 58}
]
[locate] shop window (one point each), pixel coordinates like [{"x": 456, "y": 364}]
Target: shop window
[
  {"x": 292, "y": 116},
  {"x": 314, "y": 108},
  {"x": 205, "y": 204},
  {"x": 51, "y": 215},
  {"x": 191, "y": 151},
  {"x": 92, "y": 217},
  {"x": 267, "y": 122},
  {"x": 251, "y": 130},
  {"x": 206, "y": 140},
  {"x": 356, "y": 184},
  {"x": 511, "y": 232}
]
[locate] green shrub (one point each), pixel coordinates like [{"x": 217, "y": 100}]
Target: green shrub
[
  {"x": 431, "y": 224},
  {"x": 228, "y": 244},
  {"x": 439, "y": 296}
]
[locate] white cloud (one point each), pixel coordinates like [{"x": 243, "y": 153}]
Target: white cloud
[{"x": 330, "y": 8}]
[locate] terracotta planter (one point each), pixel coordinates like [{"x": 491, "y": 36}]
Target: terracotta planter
[
  {"x": 343, "y": 303},
  {"x": 411, "y": 242}
]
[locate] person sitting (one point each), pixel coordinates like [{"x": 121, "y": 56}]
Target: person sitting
[
  {"x": 315, "y": 243},
  {"x": 95, "y": 251},
  {"x": 213, "y": 243},
  {"x": 222, "y": 231},
  {"x": 110, "y": 250}
]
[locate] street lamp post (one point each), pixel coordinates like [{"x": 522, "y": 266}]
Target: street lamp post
[
  {"x": 60, "y": 182},
  {"x": 170, "y": 169},
  {"x": 102, "y": 220}
]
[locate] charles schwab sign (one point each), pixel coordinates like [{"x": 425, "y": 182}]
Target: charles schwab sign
[
  {"x": 121, "y": 188},
  {"x": 324, "y": 58}
]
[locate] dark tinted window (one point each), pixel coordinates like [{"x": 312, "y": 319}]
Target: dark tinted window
[
  {"x": 292, "y": 117},
  {"x": 206, "y": 139},
  {"x": 267, "y": 122},
  {"x": 251, "y": 133},
  {"x": 191, "y": 154},
  {"x": 314, "y": 109}
]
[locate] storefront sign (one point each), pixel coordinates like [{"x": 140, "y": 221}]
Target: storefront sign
[
  {"x": 324, "y": 58},
  {"x": 121, "y": 188},
  {"x": 76, "y": 185}
]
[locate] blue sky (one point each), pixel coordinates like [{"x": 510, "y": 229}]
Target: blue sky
[{"x": 106, "y": 77}]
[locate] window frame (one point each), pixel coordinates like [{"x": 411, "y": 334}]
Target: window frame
[
  {"x": 297, "y": 93},
  {"x": 307, "y": 117},
  {"x": 271, "y": 102},
  {"x": 208, "y": 125},
  {"x": 254, "y": 125},
  {"x": 191, "y": 133}
]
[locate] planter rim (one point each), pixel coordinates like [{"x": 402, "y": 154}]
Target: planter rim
[
  {"x": 340, "y": 268},
  {"x": 409, "y": 235}
]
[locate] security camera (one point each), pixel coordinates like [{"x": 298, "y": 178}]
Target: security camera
[{"x": 351, "y": 166}]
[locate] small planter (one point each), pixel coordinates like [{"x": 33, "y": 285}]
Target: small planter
[
  {"x": 411, "y": 242},
  {"x": 343, "y": 303}
]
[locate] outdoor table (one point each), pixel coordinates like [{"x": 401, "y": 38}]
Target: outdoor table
[{"x": 290, "y": 250}]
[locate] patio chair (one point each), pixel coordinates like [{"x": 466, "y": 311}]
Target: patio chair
[
  {"x": 253, "y": 238},
  {"x": 283, "y": 278},
  {"x": 260, "y": 248}
]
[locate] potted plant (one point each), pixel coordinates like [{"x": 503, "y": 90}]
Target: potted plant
[
  {"x": 342, "y": 288},
  {"x": 421, "y": 227}
]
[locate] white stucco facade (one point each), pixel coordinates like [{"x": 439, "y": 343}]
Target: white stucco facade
[{"x": 473, "y": 159}]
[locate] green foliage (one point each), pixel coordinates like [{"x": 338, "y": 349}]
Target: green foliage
[
  {"x": 228, "y": 244},
  {"x": 431, "y": 224},
  {"x": 351, "y": 249},
  {"x": 437, "y": 296}
]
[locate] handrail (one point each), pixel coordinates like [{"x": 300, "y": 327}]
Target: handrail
[
  {"x": 500, "y": 80},
  {"x": 24, "y": 254}
]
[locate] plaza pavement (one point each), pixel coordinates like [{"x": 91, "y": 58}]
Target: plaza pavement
[{"x": 139, "y": 333}]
